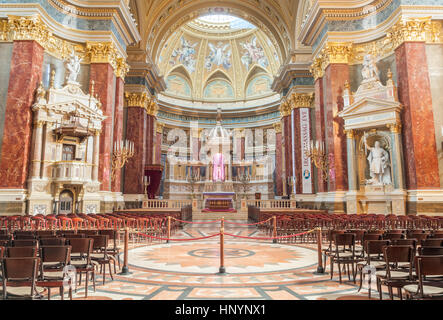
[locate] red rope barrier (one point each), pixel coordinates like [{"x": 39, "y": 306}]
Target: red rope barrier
[
  {"x": 269, "y": 238},
  {"x": 206, "y": 222},
  {"x": 166, "y": 239},
  {"x": 247, "y": 224}
]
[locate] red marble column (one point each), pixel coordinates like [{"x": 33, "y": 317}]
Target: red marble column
[
  {"x": 319, "y": 127},
  {"x": 158, "y": 146},
  {"x": 278, "y": 163},
  {"x": 118, "y": 127},
  {"x": 335, "y": 77},
  {"x": 136, "y": 126},
  {"x": 150, "y": 120},
  {"x": 103, "y": 76},
  {"x": 421, "y": 159},
  {"x": 288, "y": 146},
  {"x": 25, "y": 75}
]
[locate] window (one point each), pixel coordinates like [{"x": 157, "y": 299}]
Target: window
[{"x": 68, "y": 152}]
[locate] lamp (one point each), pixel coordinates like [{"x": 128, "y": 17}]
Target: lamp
[
  {"x": 318, "y": 156},
  {"x": 123, "y": 151}
]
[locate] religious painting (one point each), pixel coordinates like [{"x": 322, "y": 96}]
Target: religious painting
[
  {"x": 253, "y": 53},
  {"x": 258, "y": 86},
  {"x": 178, "y": 86},
  {"x": 218, "y": 89},
  {"x": 220, "y": 55},
  {"x": 185, "y": 54}
]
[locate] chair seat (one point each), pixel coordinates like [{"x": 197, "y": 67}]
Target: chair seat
[
  {"x": 22, "y": 291},
  {"x": 394, "y": 274},
  {"x": 53, "y": 275},
  {"x": 427, "y": 290},
  {"x": 375, "y": 264},
  {"x": 345, "y": 255}
]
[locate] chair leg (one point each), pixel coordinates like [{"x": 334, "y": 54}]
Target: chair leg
[
  {"x": 49, "y": 293},
  {"x": 110, "y": 272},
  {"x": 62, "y": 294},
  {"x": 391, "y": 295},
  {"x": 86, "y": 285},
  {"x": 332, "y": 266},
  {"x": 339, "y": 271},
  {"x": 361, "y": 280},
  {"x": 104, "y": 272},
  {"x": 379, "y": 289},
  {"x": 399, "y": 293}
]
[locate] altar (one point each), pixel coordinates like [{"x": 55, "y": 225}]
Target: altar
[{"x": 219, "y": 202}]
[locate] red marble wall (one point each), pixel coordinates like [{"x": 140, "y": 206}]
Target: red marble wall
[
  {"x": 118, "y": 127},
  {"x": 278, "y": 164},
  {"x": 421, "y": 159},
  {"x": 288, "y": 147},
  {"x": 103, "y": 75},
  {"x": 25, "y": 75},
  {"x": 150, "y": 120},
  {"x": 335, "y": 77},
  {"x": 136, "y": 126},
  {"x": 319, "y": 133},
  {"x": 158, "y": 146}
]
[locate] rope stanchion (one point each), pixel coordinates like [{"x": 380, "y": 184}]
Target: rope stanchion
[
  {"x": 270, "y": 238},
  {"x": 191, "y": 222},
  {"x": 169, "y": 228},
  {"x": 248, "y": 224},
  {"x": 222, "y": 269},
  {"x": 275, "y": 229},
  {"x": 125, "y": 268},
  {"x": 320, "y": 269},
  {"x": 182, "y": 240}
]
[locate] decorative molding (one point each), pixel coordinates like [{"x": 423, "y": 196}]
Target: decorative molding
[
  {"x": 416, "y": 29},
  {"x": 277, "y": 127},
  {"x": 122, "y": 68},
  {"x": 142, "y": 100},
  {"x": 285, "y": 109},
  {"x": 394, "y": 127},
  {"x": 333, "y": 52},
  {"x": 301, "y": 100},
  {"x": 102, "y": 52}
]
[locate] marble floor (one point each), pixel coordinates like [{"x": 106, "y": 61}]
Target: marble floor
[{"x": 257, "y": 270}]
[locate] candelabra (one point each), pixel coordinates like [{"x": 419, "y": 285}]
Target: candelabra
[
  {"x": 192, "y": 178},
  {"x": 319, "y": 157},
  {"x": 291, "y": 181},
  {"x": 244, "y": 180},
  {"x": 146, "y": 183},
  {"x": 123, "y": 151}
]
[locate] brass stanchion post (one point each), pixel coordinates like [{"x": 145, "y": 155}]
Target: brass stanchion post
[
  {"x": 222, "y": 269},
  {"x": 125, "y": 269},
  {"x": 169, "y": 229},
  {"x": 275, "y": 229},
  {"x": 320, "y": 268}
]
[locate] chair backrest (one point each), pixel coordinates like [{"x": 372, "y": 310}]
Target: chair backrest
[
  {"x": 24, "y": 243},
  {"x": 21, "y": 252},
  {"x": 20, "y": 233},
  {"x": 431, "y": 251},
  {"x": 397, "y": 253},
  {"x": 437, "y": 234},
  {"x": 375, "y": 246},
  {"x": 88, "y": 232},
  {"x": 2, "y": 252},
  {"x": 418, "y": 236},
  {"x": 344, "y": 239},
  {"x": 405, "y": 242},
  {"x": 5, "y": 243},
  {"x": 100, "y": 242},
  {"x": 24, "y": 237},
  {"x": 45, "y": 233},
  {"x": 53, "y": 241},
  {"x": 370, "y": 237},
  {"x": 60, "y": 254},
  {"x": 5, "y": 237},
  {"x": 20, "y": 269},
  {"x": 71, "y": 236},
  {"x": 393, "y": 236},
  {"x": 81, "y": 246},
  {"x": 112, "y": 235},
  {"x": 432, "y": 242},
  {"x": 429, "y": 265}
]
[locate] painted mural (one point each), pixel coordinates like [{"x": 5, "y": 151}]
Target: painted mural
[
  {"x": 186, "y": 54},
  {"x": 220, "y": 55},
  {"x": 253, "y": 53},
  {"x": 258, "y": 86},
  {"x": 178, "y": 86},
  {"x": 218, "y": 89}
]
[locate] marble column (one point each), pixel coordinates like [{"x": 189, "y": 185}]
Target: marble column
[
  {"x": 136, "y": 131},
  {"x": 158, "y": 144},
  {"x": 297, "y": 152},
  {"x": 37, "y": 155},
  {"x": 288, "y": 149},
  {"x": 103, "y": 76},
  {"x": 150, "y": 132},
  {"x": 319, "y": 127},
  {"x": 336, "y": 74},
  {"x": 118, "y": 128},
  {"x": 24, "y": 77},
  {"x": 278, "y": 160},
  {"x": 352, "y": 160},
  {"x": 95, "y": 155},
  {"x": 397, "y": 156},
  {"x": 421, "y": 158}
]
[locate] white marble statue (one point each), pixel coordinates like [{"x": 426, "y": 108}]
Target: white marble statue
[
  {"x": 73, "y": 66},
  {"x": 370, "y": 70},
  {"x": 378, "y": 164}
]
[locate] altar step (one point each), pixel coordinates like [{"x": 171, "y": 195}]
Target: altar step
[{"x": 198, "y": 215}]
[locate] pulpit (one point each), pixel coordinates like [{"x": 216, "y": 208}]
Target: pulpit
[{"x": 154, "y": 172}]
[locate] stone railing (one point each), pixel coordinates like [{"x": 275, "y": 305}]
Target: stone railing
[
  {"x": 166, "y": 204},
  {"x": 72, "y": 172},
  {"x": 272, "y": 204}
]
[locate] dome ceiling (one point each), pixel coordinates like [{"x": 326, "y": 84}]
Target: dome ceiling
[{"x": 219, "y": 58}]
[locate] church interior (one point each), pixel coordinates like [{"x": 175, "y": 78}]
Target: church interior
[{"x": 210, "y": 150}]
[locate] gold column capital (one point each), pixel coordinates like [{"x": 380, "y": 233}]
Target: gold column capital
[
  {"x": 137, "y": 99},
  {"x": 350, "y": 134},
  {"x": 97, "y": 133},
  {"x": 40, "y": 123},
  {"x": 394, "y": 127},
  {"x": 301, "y": 100},
  {"x": 411, "y": 29},
  {"x": 277, "y": 127},
  {"x": 122, "y": 68},
  {"x": 332, "y": 52},
  {"x": 285, "y": 108},
  {"x": 102, "y": 52},
  {"x": 159, "y": 128}
]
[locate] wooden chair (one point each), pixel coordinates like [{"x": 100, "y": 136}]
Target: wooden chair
[
  {"x": 53, "y": 241},
  {"x": 113, "y": 250},
  {"x": 432, "y": 242},
  {"x": 81, "y": 249},
  {"x": 21, "y": 252},
  {"x": 100, "y": 254},
  {"x": 53, "y": 261},
  {"x": 25, "y": 243},
  {"x": 396, "y": 276},
  {"x": 393, "y": 236},
  {"x": 344, "y": 254},
  {"x": 430, "y": 251},
  {"x": 427, "y": 287},
  {"x": 19, "y": 274}
]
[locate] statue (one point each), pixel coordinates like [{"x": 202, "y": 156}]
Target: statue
[
  {"x": 218, "y": 167},
  {"x": 370, "y": 70},
  {"x": 73, "y": 67},
  {"x": 378, "y": 164}
]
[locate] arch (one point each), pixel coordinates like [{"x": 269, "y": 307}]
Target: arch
[
  {"x": 259, "y": 85},
  {"x": 218, "y": 89},
  {"x": 182, "y": 71},
  {"x": 218, "y": 74},
  {"x": 270, "y": 22},
  {"x": 255, "y": 70},
  {"x": 178, "y": 83}
]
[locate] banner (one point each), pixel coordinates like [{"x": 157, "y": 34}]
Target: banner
[{"x": 305, "y": 136}]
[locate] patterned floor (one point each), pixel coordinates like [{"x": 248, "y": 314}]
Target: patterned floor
[{"x": 254, "y": 270}]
